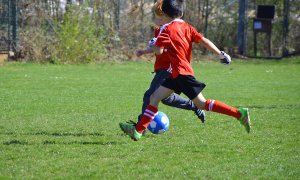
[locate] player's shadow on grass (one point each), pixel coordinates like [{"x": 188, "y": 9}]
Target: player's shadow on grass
[
  {"x": 59, "y": 134},
  {"x": 273, "y": 106},
  {"x": 47, "y": 142},
  {"x": 54, "y": 134},
  {"x": 66, "y": 134},
  {"x": 81, "y": 142}
]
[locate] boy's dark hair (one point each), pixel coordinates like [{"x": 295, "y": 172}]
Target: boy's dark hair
[{"x": 173, "y": 8}]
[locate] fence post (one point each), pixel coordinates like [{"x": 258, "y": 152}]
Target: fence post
[
  {"x": 241, "y": 26},
  {"x": 14, "y": 26},
  {"x": 285, "y": 25}
]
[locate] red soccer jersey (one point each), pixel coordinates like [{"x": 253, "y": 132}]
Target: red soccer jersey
[
  {"x": 162, "y": 61},
  {"x": 177, "y": 38}
]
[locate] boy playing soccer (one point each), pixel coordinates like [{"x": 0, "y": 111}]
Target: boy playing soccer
[
  {"x": 177, "y": 38},
  {"x": 162, "y": 69}
]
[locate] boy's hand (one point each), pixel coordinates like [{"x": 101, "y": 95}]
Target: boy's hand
[
  {"x": 139, "y": 53},
  {"x": 225, "y": 58},
  {"x": 152, "y": 42}
]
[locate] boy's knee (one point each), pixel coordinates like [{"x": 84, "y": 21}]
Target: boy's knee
[
  {"x": 168, "y": 100},
  {"x": 199, "y": 102},
  {"x": 154, "y": 99}
]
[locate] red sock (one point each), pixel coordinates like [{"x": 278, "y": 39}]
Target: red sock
[
  {"x": 148, "y": 116},
  {"x": 219, "y": 107}
]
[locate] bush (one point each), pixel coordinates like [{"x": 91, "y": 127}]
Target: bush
[{"x": 79, "y": 38}]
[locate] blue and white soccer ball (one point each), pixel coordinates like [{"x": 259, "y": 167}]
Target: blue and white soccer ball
[{"x": 160, "y": 123}]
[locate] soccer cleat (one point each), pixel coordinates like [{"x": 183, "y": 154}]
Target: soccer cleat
[
  {"x": 134, "y": 124},
  {"x": 200, "y": 114},
  {"x": 245, "y": 118},
  {"x": 129, "y": 129},
  {"x": 131, "y": 122}
]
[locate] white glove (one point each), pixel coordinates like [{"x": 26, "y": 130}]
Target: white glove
[
  {"x": 152, "y": 42},
  {"x": 225, "y": 58}
]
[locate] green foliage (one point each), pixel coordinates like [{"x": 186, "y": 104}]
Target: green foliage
[
  {"x": 115, "y": 29},
  {"x": 80, "y": 38},
  {"x": 61, "y": 122},
  {"x": 223, "y": 25}
]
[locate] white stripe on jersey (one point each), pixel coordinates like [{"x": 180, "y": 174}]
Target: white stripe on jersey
[
  {"x": 160, "y": 30},
  {"x": 164, "y": 26},
  {"x": 170, "y": 69}
]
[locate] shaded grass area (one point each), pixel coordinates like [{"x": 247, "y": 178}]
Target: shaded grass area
[{"x": 61, "y": 121}]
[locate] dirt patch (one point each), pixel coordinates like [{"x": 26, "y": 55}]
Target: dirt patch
[{"x": 3, "y": 58}]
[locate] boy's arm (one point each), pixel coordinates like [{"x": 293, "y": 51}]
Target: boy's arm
[
  {"x": 210, "y": 46},
  {"x": 157, "y": 50},
  {"x": 150, "y": 49},
  {"x": 225, "y": 58},
  {"x": 141, "y": 52},
  {"x": 161, "y": 42}
]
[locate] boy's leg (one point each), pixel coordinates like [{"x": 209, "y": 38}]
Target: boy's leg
[
  {"x": 158, "y": 79},
  {"x": 151, "y": 110},
  {"x": 173, "y": 100},
  {"x": 135, "y": 132},
  {"x": 216, "y": 106},
  {"x": 177, "y": 101}
]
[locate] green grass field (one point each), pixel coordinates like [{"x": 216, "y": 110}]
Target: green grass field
[{"x": 61, "y": 122}]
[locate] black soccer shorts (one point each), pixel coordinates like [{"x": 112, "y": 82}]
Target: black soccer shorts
[{"x": 185, "y": 84}]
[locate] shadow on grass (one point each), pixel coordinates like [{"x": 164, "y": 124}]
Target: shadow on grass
[
  {"x": 54, "y": 134},
  {"x": 18, "y": 142},
  {"x": 82, "y": 143},
  {"x": 60, "y": 134},
  {"x": 278, "y": 106},
  {"x": 66, "y": 134}
]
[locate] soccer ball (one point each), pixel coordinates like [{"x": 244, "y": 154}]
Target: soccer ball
[{"x": 160, "y": 123}]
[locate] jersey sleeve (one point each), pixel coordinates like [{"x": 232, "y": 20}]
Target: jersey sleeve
[
  {"x": 163, "y": 40},
  {"x": 156, "y": 32},
  {"x": 196, "y": 36}
]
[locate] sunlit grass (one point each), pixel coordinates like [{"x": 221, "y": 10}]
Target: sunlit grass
[{"x": 61, "y": 121}]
